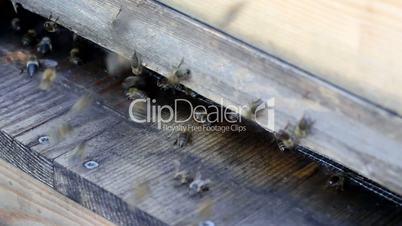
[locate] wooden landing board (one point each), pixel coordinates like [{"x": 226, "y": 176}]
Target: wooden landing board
[
  {"x": 349, "y": 130},
  {"x": 252, "y": 182},
  {"x": 26, "y": 201}
]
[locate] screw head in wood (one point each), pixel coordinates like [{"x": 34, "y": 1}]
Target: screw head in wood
[
  {"x": 43, "y": 140},
  {"x": 91, "y": 164}
]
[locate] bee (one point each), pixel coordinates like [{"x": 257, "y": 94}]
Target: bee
[
  {"x": 49, "y": 75},
  {"x": 116, "y": 64},
  {"x": 253, "y": 107},
  {"x": 44, "y": 46},
  {"x": 336, "y": 181},
  {"x": 136, "y": 64},
  {"x": 16, "y": 24},
  {"x": 134, "y": 93},
  {"x": 199, "y": 185},
  {"x": 133, "y": 81},
  {"x": 285, "y": 139},
  {"x": 32, "y": 65},
  {"x": 303, "y": 128},
  {"x": 75, "y": 56},
  {"x": 63, "y": 131},
  {"x": 141, "y": 190},
  {"x": 29, "y": 38},
  {"x": 79, "y": 152},
  {"x": 183, "y": 139},
  {"x": 200, "y": 115},
  {"x": 81, "y": 103},
  {"x": 178, "y": 75},
  {"x": 182, "y": 176},
  {"x": 51, "y": 26}
]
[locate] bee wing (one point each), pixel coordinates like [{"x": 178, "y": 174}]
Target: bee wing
[{"x": 48, "y": 63}]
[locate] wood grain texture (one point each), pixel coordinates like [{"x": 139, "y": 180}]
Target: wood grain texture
[
  {"x": 353, "y": 44},
  {"x": 26, "y": 201},
  {"x": 347, "y": 129},
  {"x": 252, "y": 182}
]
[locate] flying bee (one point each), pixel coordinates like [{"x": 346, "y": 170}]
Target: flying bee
[
  {"x": 32, "y": 65},
  {"x": 253, "y": 107},
  {"x": 178, "y": 75},
  {"x": 141, "y": 191},
  {"x": 133, "y": 81},
  {"x": 182, "y": 176},
  {"x": 63, "y": 131},
  {"x": 75, "y": 56},
  {"x": 116, "y": 64},
  {"x": 303, "y": 128},
  {"x": 134, "y": 93},
  {"x": 199, "y": 185},
  {"x": 183, "y": 139},
  {"x": 49, "y": 75},
  {"x": 81, "y": 103},
  {"x": 285, "y": 139},
  {"x": 16, "y": 24},
  {"x": 336, "y": 181},
  {"x": 136, "y": 64},
  {"x": 44, "y": 46},
  {"x": 51, "y": 26},
  {"x": 29, "y": 38},
  {"x": 79, "y": 152}
]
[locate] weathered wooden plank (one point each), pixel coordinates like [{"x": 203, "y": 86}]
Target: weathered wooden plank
[
  {"x": 222, "y": 67},
  {"x": 25, "y": 201},
  {"x": 338, "y": 41}
]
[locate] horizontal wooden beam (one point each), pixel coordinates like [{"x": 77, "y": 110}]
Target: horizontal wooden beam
[
  {"x": 26, "y": 201},
  {"x": 347, "y": 129}
]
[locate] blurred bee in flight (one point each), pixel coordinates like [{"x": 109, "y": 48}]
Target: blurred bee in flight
[
  {"x": 181, "y": 176},
  {"x": 199, "y": 185},
  {"x": 183, "y": 139},
  {"x": 49, "y": 75},
  {"x": 51, "y": 26},
  {"x": 178, "y": 75},
  {"x": 75, "y": 56}
]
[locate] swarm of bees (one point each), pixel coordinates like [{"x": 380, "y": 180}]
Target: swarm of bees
[{"x": 289, "y": 137}]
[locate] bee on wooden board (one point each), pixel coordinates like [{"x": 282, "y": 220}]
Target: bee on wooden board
[
  {"x": 133, "y": 81},
  {"x": 336, "y": 181},
  {"x": 289, "y": 137},
  {"x": 75, "y": 56},
  {"x": 32, "y": 65},
  {"x": 136, "y": 64},
  {"x": 134, "y": 93},
  {"x": 29, "y": 38},
  {"x": 199, "y": 185},
  {"x": 303, "y": 128},
  {"x": 49, "y": 75},
  {"x": 181, "y": 176},
  {"x": 51, "y": 26},
  {"x": 183, "y": 139},
  {"x": 44, "y": 46},
  {"x": 16, "y": 24},
  {"x": 178, "y": 75}
]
